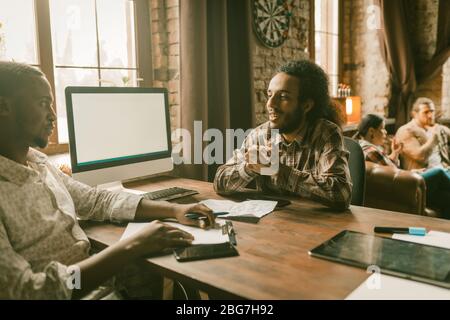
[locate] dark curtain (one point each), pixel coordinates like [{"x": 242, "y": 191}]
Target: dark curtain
[
  {"x": 216, "y": 72},
  {"x": 398, "y": 55},
  {"x": 396, "y": 48},
  {"x": 433, "y": 67}
]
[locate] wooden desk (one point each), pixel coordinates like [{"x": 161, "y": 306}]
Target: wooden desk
[{"x": 274, "y": 261}]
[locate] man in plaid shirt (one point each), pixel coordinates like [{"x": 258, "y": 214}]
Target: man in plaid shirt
[{"x": 313, "y": 162}]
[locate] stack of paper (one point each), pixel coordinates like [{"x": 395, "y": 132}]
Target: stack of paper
[
  {"x": 201, "y": 236},
  {"x": 249, "y": 208},
  {"x": 433, "y": 238},
  {"x": 384, "y": 287}
]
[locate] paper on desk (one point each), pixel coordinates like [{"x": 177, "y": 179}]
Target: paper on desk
[
  {"x": 134, "y": 191},
  {"x": 397, "y": 288},
  {"x": 432, "y": 238},
  {"x": 201, "y": 236},
  {"x": 385, "y": 287},
  {"x": 255, "y": 208}
]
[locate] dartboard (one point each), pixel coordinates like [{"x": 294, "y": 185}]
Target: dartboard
[{"x": 271, "y": 21}]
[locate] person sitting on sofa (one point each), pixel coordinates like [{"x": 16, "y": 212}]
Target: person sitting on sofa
[
  {"x": 371, "y": 136},
  {"x": 425, "y": 143}
]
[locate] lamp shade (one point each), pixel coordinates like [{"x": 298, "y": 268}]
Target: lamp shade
[{"x": 353, "y": 109}]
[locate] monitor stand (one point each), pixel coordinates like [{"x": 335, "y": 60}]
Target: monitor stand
[{"x": 117, "y": 186}]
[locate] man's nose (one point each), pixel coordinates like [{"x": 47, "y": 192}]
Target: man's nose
[
  {"x": 271, "y": 102},
  {"x": 51, "y": 114}
]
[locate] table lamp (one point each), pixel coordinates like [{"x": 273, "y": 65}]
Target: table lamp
[{"x": 353, "y": 109}]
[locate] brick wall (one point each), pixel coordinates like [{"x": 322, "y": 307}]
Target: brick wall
[
  {"x": 165, "y": 40},
  {"x": 166, "y": 52},
  {"x": 266, "y": 60},
  {"x": 425, "y": 32},
  {"x": 363, "y": 65},
  {"x": 446, "y": 90}
]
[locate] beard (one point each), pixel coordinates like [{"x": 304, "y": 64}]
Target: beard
[
  {"x": 40, "y": 142},
  {"x": 34, "y": 139},
  {"x": 294, "y": 121}
]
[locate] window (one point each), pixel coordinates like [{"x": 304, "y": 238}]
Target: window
[
  {"x": 326, "y": 39},
  {"x": 18, "y": 36},
  {"x": 78, "y": 42}
]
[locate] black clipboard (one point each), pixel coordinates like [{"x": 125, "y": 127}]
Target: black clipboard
[{"x": 210, "y": 251}]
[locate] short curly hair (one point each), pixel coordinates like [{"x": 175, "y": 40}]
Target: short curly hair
[
  {"x": 13, "y": 75},
  {"x": 313, "y": 86},
  {"x": 420, "y": 101}
]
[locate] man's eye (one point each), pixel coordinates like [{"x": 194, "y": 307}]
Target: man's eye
[{"x": 45, "y": 104}]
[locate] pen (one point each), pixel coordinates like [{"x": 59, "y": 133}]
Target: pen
[
  {"x": 416, "y": 231},
  {"x": 198, "y": 216}
]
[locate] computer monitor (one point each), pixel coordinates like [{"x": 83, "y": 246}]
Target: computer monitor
[{"x": 117, "y": 134}]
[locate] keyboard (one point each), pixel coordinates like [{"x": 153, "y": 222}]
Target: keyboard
[{"x": 169, "y": 194}]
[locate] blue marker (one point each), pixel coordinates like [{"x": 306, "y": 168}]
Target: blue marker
[{"x": 415, "y": 231}]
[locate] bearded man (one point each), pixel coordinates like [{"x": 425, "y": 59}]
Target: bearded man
[{"x": 307, "y": 144}]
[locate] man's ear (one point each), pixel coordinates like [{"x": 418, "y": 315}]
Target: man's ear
[
  {"x": 5, "y": 106},
  {"x": 309, "y": 104}
]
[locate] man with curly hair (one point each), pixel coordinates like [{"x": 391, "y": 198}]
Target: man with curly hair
[{"x": 312, "y": 162}]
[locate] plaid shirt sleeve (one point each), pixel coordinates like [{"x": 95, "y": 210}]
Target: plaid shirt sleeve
[
  {"x": 375, "y": 157},
  {"x": 233, "y": 176},
  {"x": 329, "y": 183}
]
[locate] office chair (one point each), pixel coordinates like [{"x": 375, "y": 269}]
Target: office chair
[{"x": 357, "y": 166}]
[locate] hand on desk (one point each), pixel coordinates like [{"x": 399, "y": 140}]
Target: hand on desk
[
  {"x": 149, "y": 210},
  {"x": 156, "y": 237},
  {"x": 198, "y": 208}
]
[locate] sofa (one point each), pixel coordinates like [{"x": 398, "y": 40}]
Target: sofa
[{"x": 395, "y": 189}]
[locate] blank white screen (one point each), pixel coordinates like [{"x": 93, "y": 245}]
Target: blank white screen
[{"x": 116, "y": 125}]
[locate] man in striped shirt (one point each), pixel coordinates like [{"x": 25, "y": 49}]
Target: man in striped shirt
[{"x": 313, "y": 162}]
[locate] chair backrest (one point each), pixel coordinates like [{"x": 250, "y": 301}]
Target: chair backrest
[{"x": 357, "y": 166}]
